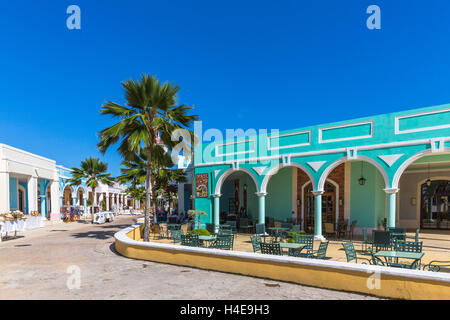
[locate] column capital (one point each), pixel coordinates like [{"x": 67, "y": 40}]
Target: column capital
[
  {"x": 216, "y": 195},
  {"x": 261, "y": 194},
  {"x": 391, "y": 190},
  {"x": 317, "y": 193}
]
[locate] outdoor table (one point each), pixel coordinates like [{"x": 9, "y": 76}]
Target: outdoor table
[
  {"x": 277, "y": 231},
  {"x": 292, "y": 246},
  {"x": 399, "y": 254},
  {"x": 207, "y": 239}
]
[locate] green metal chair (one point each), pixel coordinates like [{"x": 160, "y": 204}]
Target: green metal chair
[
  {"x": 176, "y": 235},
  {"x": 271, "y": 248},
  {"x": 190, "y": 240},
  {"x": 408, "y": 246},
  {"x": 256, "y": 243},
  {"x": 223, "y": 242},
  {"x": 232, "y": 224},
  {"x": 307, "y": 239},
  {"x": 350, "y": 253},
  {"x": 321, "y": 253},
  {"x": 375, "y": 260},
  {"x": 261, "y": 231}
]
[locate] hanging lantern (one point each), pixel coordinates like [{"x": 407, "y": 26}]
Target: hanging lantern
[{"x": 362, "y": 180}]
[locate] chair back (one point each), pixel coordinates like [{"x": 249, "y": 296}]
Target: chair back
[
  {"x": 396, "y": 229},
  {"x": 224, "y": 242},
  {"x": 307, "y": 239},
  {"x": 322, "y": 252},
  {"x": 176, "y": 235},
  {"x": 190, "y": 240},
  {"x": 416, "y": 238},
  {"x": 225, "y": 231},
  {"x": 350, "y": 251},
  {"x": 408, "y": 246},
  {"x": 260, "y": 228},
  {"x": 256, "y": 243},
  {"x": 271, "y": 248},
  {"x": 381, "y": 239}
]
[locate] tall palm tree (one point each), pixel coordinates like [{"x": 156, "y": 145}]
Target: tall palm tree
[
  {"x": 94, "y": 172},
  {"x": 150, "y": 114}
]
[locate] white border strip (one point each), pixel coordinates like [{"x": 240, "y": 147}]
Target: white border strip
[
  {"x": 417, "y": 274},
  {"x": 355, "y": 124},
  {"x": 235, "y": 143},
  {"x": 397, "y": 125},
  {"x": 270, "y": 148}
]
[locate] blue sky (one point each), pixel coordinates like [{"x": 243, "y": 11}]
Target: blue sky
[{"x": 244, "y": 64}]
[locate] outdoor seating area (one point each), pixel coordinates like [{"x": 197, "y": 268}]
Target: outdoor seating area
[{"x": 392, "y": 248}]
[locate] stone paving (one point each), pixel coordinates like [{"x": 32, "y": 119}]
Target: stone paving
[{"x": 35, "y": 266}]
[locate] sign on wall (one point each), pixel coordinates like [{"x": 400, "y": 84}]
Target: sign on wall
[{"x": 201, "y": 182}]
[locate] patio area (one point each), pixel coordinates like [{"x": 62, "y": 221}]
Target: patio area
[{"x": 436, "y": 245}]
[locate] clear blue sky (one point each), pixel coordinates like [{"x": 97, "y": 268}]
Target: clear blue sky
[{"x": 243, "y": 64}]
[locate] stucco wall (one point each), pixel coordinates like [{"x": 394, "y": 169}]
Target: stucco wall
[{"x": 279, "y": 195}]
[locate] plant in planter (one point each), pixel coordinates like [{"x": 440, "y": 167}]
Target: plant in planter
[{"x": 199, "y": 232}]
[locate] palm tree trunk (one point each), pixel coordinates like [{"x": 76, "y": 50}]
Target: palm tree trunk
[
  {"x": 147, "y": 194},
  {"x": 93, "y": 205}
]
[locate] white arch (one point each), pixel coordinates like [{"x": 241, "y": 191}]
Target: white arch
[
  {"x": 405, "y": 164},
  {"x": 227, "y": 173},
  {"x": 81, "y": 187},
  {"x": 331, "y": 167},
  {"x": 277, "y": 167}
]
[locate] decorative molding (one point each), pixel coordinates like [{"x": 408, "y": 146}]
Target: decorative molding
[
  {"x": 352, "y": 153},
  {"x": 259, "y": 170},
  {"x": 216, "y": 172},
  {"x": 355, "y": 124},
  {"x": 235, "y": 142},
  {"x": 397, "y": 125},
  {"x": 440, "y": 147},
  {"x": 391, "y": 190},
  {"x": 316, "y": 165},
  {"x": 390, "y": 159},
  {"x": 270, "y": 148}
]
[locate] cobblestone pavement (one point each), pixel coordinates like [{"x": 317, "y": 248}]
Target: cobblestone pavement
[{"x": 35, "y": 265}]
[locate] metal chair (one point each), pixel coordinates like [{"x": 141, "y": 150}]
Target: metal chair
[
  {"x": 375, "y": 260},
  {"x": 307, "y": 239},
  {"x": 321, "y": 253},
  {"x": 408, "y": 246},
  {"x": 437, "y": 266},
  {"x": 365, "y": 241},
  {"x": 381, "y": 240},
  {"x": 223, "y": 242},
  {"x": 271, "y": 248},
  {"x": 176, "y": 235},
  {"x": 256, "y": 243},
  {"x": 329, "y": 229},
  {"x": 232, "y": 224},
  {"x": 261, "y": 231},
  {"x": 190, "y": 240},
  {"x": 350, "y": 253}
]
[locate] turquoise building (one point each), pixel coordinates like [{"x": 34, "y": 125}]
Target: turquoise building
[{"x": 391, "y": 169}]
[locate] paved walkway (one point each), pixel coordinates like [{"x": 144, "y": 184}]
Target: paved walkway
[{"x": 35, "y": 267}]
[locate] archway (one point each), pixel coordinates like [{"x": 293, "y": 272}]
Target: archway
[
  {"x": 237, "y": 190},
  {"x": 424, "y": 190},
  {"x": 67, "y": 196}
]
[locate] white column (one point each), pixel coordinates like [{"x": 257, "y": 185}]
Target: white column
[
  {"x": 4, "y": 192},
  {"x": 32, "y": 194},
  {"x": 107, "y": 201},
  {"x": 54, "y": 192}
]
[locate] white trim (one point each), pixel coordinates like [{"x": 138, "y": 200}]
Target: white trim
[
  {"x": 121, "y": 236},
  {"x": 269, "y": 147},
  {"x": 34, "y": 166},
  {"x": 26, "y": 152},
  {"x": 328, "y": 151},
  {"x": 273, "y": 170},
  {"x": 406, "y": 163},
  {"x": 355, "y": 124},
  {"x": 331, "y": 167},
  {"x": 347, "y": 189},
  {"x": 235, "y": 143},
  {"x": 397, "y": 130}
]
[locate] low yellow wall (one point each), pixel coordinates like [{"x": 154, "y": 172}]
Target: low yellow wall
[{"x": 391, "y": 286}]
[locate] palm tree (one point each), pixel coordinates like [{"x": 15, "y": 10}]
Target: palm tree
[
  {"x": 136, "y": 193},
  {"x": 150, "y": 114},
  {"x": 93, "y": 171}
]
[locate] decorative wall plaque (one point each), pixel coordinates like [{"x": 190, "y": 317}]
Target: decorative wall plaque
[{"x": 201, "y": 182}]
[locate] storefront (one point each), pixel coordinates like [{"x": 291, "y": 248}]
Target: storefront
[{"x": 391, "y": 169}]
